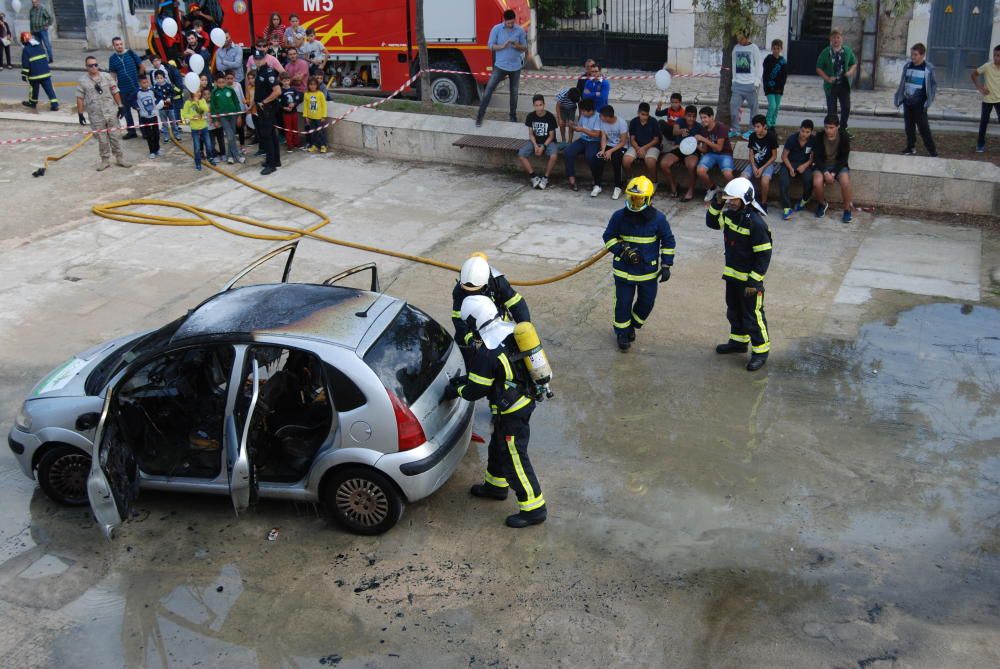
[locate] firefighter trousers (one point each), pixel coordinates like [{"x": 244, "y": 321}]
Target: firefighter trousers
[
  {"x": 507, "y": 461},
  {"x": 634, "y": 302},
  {"x": 747, "y": 323},
  {"x": 46, "y": 85}
]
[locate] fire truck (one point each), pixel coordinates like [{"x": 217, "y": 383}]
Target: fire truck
[{"x": 371, "y": 45}]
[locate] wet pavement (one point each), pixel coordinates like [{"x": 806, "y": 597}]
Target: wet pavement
[{"x": 841, "y": 508}]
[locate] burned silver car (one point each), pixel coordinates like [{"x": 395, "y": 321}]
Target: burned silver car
[{"x": 310, "y": 392}]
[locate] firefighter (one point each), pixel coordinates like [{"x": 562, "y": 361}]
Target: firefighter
[
  {"x": 35, "y": 70},
  {"x": 642, "y": 243},
  {"x": 748, "y": 253},
  {"x": 498, "y": 373},
  {"x": 478, "y": 277}
]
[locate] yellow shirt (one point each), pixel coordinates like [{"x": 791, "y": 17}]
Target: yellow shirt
[
  {"x": 991, "y": 74},
  {"x": 195, "y": 114},
  {"x": 314, "y": 105}
]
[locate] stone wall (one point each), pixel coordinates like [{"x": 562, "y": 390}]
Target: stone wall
[{"x": 106, "y": 20}]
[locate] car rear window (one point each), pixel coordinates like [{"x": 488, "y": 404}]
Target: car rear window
[{"x": 410, "y": 354}]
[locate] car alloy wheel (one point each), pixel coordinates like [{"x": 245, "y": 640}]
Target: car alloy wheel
[
  {"x": 363, "y": 500},
  {"x": 62, "y": 474}
]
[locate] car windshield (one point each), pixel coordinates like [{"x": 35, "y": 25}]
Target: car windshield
[
  {"x": 134, "y": 349},
  {"x": 410, "y": 354}
]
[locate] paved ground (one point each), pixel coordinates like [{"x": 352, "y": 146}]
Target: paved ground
[{"x": 838, "y": 509}]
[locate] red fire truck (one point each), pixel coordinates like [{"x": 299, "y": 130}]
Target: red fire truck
[{"x": 371, "y": 44}]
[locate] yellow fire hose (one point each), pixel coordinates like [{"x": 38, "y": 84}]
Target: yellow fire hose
[
  {"x": 201, "y": 216},
  {"x": 40, "y": 172}
]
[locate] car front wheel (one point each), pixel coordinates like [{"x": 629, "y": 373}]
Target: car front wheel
[
  {"x": 62, "y": 475},
  {"x": 362, "y": 501}
]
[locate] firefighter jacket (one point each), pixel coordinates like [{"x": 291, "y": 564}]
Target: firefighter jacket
[
  {"x": 35, "y": 62},
  {"x": 493, "y": 375},
  {"x": 510, "y": 304},
  {"x": 647, "y": 232},
  {"x": 748, "y": 244}
]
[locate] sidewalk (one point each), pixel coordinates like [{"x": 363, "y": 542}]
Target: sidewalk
[{"x": 802, "y": 93}]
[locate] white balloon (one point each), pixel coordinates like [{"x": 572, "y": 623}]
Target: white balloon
[
  {"x": 196, "y": 63},
  {"x": 192, "y": 82},
  {"x": 663, "y": 80},
  {"x": 15, "y": 5},
  {"x": 218, "y": 36},
  {"x": 688, "y": 145},
  {"x": 169, "y": 26}
]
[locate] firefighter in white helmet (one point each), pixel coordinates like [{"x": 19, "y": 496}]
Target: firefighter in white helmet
[
  {"x": 748, "y": 254},
  {"x": 499, "y": 374},
  {"x": 478, "y": 277}
]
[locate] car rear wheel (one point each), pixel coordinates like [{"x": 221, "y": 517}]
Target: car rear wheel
[
  {"x": 62, "y": 475},
  {"x": 363, "y": 501}
]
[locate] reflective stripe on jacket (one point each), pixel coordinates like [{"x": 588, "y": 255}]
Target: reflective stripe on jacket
[
  {"x": 646, "y": 231},
  {"x": 491, "y": 374},
  {"x": 748, "y": 244},
  {"x": 35, "y": 62}
]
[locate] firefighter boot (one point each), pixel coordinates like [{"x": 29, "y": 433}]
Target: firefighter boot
[
  {"x": 625, "y": 338},
  {"x": 731, "y": 347},
  {"x": 757, "y": 361},
  {"x": 526, "y": 518},
  {"x": 487, "y": 491}
]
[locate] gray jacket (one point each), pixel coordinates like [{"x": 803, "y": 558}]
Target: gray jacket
[
  {"x": 930, "y": 85},
  {"x": 230, "y": 59}
]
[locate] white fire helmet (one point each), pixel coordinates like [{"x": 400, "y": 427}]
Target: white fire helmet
[
  {"x": 491, "y": 328},
  {"x": 475, "y": 273},
  {"x": 742, "y": 189}
]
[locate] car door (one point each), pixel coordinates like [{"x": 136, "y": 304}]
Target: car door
[
  {"x": 242, "y": 481},
  {"x": 113, "y": 482},
  {"x": 263, "y": 260}
]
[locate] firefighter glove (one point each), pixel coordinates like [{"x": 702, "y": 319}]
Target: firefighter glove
[
  {"x": 83, "y": 120},
  {"x": 664, "y": 274},
  {"x": 751, "y": 291},
  {"x": 121, "y": 112},
  {"x": 717, "y": 200},
  {"x": 450, "y": 393}
]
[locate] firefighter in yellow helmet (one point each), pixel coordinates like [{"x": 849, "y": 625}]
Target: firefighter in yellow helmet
[{"x": 642, "y": 244}]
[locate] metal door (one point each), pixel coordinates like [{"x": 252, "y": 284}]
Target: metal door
[
  {"x": 71, "y": 22},
  {"x": 959, "y": 39}
]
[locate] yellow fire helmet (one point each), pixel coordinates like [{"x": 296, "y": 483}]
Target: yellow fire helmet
[{"x": 638, "y": 193}]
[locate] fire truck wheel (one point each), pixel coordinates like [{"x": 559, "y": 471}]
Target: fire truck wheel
[{"x": 453, "y": 89}]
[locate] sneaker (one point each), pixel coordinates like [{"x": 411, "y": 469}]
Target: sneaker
[
  {"x": 543, "y": 183},
  {"x": 933, "y": 154},
  {"x": 710, "y": 193},
  {"x": 479, "y": 123},
  {"x": 980, "y": 148},
  {"x": 909, "y": 151},
  {"x": 786, "y": 213},
  {"x": 313, "y": 149},
  {"x": 616, "y": 193},
  {"x": 152, "y": 156},
  {"x": 322, "y": 149},
  {"x": 198, "y": 166},
  {"x": 595, "y": 191},
  {"x": 573, "y": 187},
  {"x": 848, "y": 216},
  {"x": 213, "y": 162},
  {"x": 159, "y": 154},
  {"x": 821, "y": 209},
  {"x": 535, "y": 181},
  {"x": 229, "y": 160},
  {"x": 800, "y": 205},
  {"x": 241, "y": 160},
  {"x": 260, "y": 154}
]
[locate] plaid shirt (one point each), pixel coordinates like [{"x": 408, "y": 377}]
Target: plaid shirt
[{"x": 39, "y": 18}]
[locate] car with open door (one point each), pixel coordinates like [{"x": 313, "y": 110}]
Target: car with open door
[{"x": 308, "y": 392}]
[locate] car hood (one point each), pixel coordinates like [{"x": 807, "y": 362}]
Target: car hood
[{"x": 68, "y": 379}]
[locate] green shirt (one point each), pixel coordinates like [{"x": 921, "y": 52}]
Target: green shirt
[
  {"x": 224, "y": 101},
  {"x": 825, "y": 63},
  {"x": 39, "y": 19}
]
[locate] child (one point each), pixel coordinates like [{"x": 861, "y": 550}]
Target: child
[
  {"x": 290, "y": 99},
  {"x": 195, "y": 114},
  {"x": 917, "y": 88},
  {"x": 674, "y": 112},
  {"x": 614, "y": 138},
  {"x": 644, "y": 142},
  {"x": 831, "y": 152},
  {"x": 541, "y": 141},
  {"x": 240, "y": 125},
  {"x": 775, "y": 73},
  {"x": 164, "y": 92},
  {"x": 763, "y": 146},
  {"x": 716, "y": 150},
  {"x": 566, "y": 101},
  {"x": 597, "y": 88},
  {"x": 684, "y": 127},
  {"x": 747, "y": 75},
  {"x": 148, "y": 108},
  {"x": 314, "y": 111},
  {"x": 990, "y": 90},
  {"x": 589, "y": 143},
  {"x": 225, "y": 106},
  {"x": 177, "y": 101}
]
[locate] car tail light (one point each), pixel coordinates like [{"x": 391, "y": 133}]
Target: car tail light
[{"x": 411, "y": 434}]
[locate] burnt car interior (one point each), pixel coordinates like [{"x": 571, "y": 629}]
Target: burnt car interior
[
  {"x": 171, "y": 411},
  {"x": 293, "y": 417}
]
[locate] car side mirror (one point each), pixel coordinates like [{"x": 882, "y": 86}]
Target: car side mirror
[{"x": 87, "y": 421}]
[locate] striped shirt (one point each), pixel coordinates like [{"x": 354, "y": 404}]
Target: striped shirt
[{"x": 125, "y": 66}]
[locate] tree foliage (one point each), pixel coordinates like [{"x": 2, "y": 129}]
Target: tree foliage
[{"x": 726, "y": 20}]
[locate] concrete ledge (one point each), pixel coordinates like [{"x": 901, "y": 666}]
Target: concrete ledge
[{"x": 914, "y": 182}]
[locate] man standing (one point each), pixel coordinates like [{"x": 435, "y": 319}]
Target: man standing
[
  {"x": 836, "y": 65},
  {"x": 266, "y": 92},
  {"x": 126, "y": 66},
  {"x": 917, "y": 88},
  {"x": 747, "y": 74},
  {"x": 990, "y": 90},
  {"x": 297, "y": 69},
  {"x": 35, "y": 70},
  {"x": 229, "y": 58},
  {"x": 497, "y": 374},
  {"x": 642, "y": 244},
  {"x": 478, "y": 277},
  {"x": 747, "y": 241},
  {"x": 98, "y": 93},
  {"x": 40, "y": 21},
  {"x": 508, "y": 42}
]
